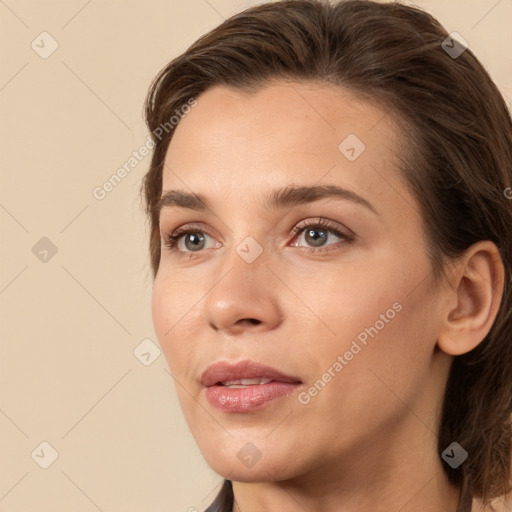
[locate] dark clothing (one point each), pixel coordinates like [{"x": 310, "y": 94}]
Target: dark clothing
[{"x": 224, "y": 500}]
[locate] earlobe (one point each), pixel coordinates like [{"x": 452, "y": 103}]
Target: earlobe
[{"x": 477, "y": 293}]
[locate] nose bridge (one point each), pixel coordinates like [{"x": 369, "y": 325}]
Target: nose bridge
[
  {"x": 243, "y": 269},
  {"x": 245, "y": 251}
]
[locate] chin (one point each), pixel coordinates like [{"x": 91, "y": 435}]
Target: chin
[{"x": 246, "y": 465}]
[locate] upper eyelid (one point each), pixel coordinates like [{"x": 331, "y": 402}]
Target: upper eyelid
[
  {"x": 302, "y": 224},
  {"x": 324, "y": 222}
]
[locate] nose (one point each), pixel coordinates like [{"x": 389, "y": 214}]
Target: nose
[{"x": 244, "y": 298}]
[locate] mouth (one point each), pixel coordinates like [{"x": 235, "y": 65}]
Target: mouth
[
  {"x": 243, "y": 373},
  {"x": 245, "y": 386},
  {"x": 243, "y": 383}
]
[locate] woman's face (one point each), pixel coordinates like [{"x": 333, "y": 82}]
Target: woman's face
[{"x": 347, "y": 310}]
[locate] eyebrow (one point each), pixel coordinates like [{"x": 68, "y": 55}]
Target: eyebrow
[{"x": 277, "y": 199}]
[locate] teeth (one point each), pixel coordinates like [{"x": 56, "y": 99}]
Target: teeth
[{"x": 241, "y": 383}]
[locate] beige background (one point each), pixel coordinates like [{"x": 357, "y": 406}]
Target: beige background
[{"x": 70, "y": 324}]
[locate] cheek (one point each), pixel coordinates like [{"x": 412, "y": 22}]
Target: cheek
[
  {"x": 382, "y": 325},
  {"x": 379, "y": 382},
  {"x": 387, "y": 359},
  {"x": 172, "y": 314},
  {"x": 352, "y": 298},
  {"x": 162, "y": 307}
]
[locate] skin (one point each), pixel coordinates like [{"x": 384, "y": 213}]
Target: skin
[{"x": 367, "y": 441}]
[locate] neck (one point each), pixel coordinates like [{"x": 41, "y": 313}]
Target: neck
[
  {"x": 434, "y": 496},
  {"x": 395, "y": 473}
]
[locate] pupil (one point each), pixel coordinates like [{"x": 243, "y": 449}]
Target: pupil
[
  {"x": 316, "y": 239},
  {"x": 193, "y": 236}
]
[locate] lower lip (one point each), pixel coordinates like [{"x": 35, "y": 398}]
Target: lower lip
[{"x": 249, "y": 398}]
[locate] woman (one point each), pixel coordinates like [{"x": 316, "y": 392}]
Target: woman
[{"x": 331, "y": 246}]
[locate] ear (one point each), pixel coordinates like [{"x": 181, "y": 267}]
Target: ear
[{"x": 474, "y": 298}]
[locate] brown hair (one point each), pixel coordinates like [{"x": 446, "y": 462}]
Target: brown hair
[{"x": 456, "y": 158}]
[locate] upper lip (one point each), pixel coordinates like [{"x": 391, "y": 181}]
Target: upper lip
[{"x": 222, "y": 371}]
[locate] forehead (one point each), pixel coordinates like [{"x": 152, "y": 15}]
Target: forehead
[{"x": 238, "y": 143}]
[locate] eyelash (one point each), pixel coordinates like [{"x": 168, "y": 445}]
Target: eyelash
[{"x": 172, "y": 239}]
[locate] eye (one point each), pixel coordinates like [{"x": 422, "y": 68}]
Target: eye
[
  {"x": 193, "y": 239},
  {"x": 316, "y": 233}
]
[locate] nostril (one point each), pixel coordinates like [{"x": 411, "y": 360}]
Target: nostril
[{"x": 254, "y": 321}]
